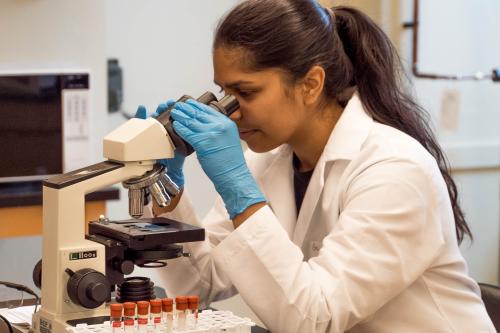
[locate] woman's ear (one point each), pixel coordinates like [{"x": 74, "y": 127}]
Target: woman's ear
[{"x": 312, "y": 85}]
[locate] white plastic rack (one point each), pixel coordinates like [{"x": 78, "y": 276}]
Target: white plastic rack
[{"x": 208, "y": 322}]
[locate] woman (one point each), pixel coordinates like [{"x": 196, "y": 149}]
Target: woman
[{"x": 344, "y": 216}]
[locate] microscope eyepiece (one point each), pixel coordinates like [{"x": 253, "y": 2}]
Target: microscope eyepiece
[{"x": 227, "y": 105}]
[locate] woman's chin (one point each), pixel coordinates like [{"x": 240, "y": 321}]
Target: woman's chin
[{"x": 260, "y": 147}]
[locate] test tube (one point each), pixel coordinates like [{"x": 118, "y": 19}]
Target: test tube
[
  {"x": 193, "y": 301},
  {"x": 156, "y": 314},
  {"x": 168, "y": 313},
  {"x": 181, "y": 305},
  {"x": 116, "y": 317},
  {"x": 142, "y": 316},
  {"x": 128, "y": 317}
]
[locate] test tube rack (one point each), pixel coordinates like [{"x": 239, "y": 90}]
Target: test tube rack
[{"x": 209, "y": 321}]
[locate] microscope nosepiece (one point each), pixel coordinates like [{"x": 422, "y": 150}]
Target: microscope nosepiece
[
  {"x": 163, "y": 189},
  {"x": 159, "y": 193},
  {"x": 159, "y": 184}
]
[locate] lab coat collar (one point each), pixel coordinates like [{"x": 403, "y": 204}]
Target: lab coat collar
[
  {"x": 344, "y": 142},
  {"x": 349, "y": 133},
  {"x": 346, "y": 139},
  {"x": 277, "y": 184}
]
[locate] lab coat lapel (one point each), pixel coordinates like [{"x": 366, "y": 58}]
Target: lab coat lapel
[
  {"x": 344, "y": 143},
  {"x": 277, "y": 184},
  {"x": 311, "y": 198}
]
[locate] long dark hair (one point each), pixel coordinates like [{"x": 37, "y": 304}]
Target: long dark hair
[{"x": 295, "y": 35}]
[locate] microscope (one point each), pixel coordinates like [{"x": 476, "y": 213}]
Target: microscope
[{"x": 80, "y": 271}]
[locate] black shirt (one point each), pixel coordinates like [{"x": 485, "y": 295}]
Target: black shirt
[{"x": 300, "y": 183}]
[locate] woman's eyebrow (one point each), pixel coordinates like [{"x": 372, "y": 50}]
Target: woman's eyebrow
[{"x": 234, "y": 84}]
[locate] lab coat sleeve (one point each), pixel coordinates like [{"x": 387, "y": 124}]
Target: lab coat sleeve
[
  {"x": 387, "y": 234},
  {"x": 197, "y": 273}
]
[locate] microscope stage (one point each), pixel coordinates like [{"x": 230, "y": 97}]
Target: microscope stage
[{"x": 146, "y": 233}]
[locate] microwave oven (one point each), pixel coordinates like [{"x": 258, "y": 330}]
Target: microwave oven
[{"x": 44, "y": 124}]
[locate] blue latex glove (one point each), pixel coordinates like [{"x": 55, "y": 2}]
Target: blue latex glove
[
  {"x": 216, "y": 141},
  {"x": 173, "y": 165}
]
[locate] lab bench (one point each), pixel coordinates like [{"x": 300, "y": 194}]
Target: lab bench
[{"x": 21, "y": 329}]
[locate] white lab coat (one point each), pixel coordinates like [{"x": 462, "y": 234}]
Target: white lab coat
[{"x": 372, "y": 250}]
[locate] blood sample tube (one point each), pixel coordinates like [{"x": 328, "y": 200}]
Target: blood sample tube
[
  {"x": 167, "y": 305},
  {"x": 128, "y": 317},
  {"x": 116, "y": 317},
  {"x": 181, "y": 305},
  {"x": 156, "y": 313},
  {"x": 192, "y": 320},
  {"x": 142, "y": 316}
]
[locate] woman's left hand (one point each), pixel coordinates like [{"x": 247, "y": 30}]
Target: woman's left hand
[{"x": 215, "y": 139}]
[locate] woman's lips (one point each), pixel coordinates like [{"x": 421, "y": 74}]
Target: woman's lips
[{"x": 245, "y": 134}]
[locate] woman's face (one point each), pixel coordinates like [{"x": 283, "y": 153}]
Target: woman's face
[{"x": 269, "y": 114}]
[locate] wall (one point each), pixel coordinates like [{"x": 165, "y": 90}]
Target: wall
[
  {"x": 465, "y": 114},
  {"x": 52, "y": 34},
  {"x": 164, "y": 48},
  {"x": 385, "y": 13}
]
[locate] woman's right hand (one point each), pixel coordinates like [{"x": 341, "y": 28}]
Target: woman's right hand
[{"x": 216, "y": 140}]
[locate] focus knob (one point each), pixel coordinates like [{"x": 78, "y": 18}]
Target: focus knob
[
  {"x": 88, "y": 287},
  {"x": 97, "y": 292},
  {"x": 125, "y": 267},
  {"x": 37, "y": 274}
]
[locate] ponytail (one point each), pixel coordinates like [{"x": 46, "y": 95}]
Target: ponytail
[{"x": 376, "y": 68}]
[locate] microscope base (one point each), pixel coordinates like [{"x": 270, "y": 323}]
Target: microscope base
[{"x": 47, "y": 322}]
